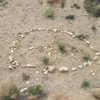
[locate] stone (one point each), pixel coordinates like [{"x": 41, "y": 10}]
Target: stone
[
  {"x": 80, "y": 66},
  {"x": 85, "y": 64},
  {"x": 13, "y": 97},
  {"x": 51, "y": 69},
  {"x": 10, "y": 59},
  {"x": 10, "y": 67},
  {"x": 32, "y": 98},
  {"x": 89, "y": 63},
  {"x": 70, "y": 33},
  {"x": 95, "y": 58},
  {"x": 96, "y": 92},
  {"x": 23, "y": 90},
  {"x": 63, "y": 69},
  {"x": 97, "y": 53},
  {"x": 74, "y": 69}
]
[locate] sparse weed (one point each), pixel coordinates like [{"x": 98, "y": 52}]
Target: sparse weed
[
  {"x": 35, "y": 90},
  {"x": 70, "y": 17},
  {"x": 8, "y": 91},
  {"x": 82, "y": 36},
  {"x": 49, "y": 12},
  {"x": 62, "y": 48},
  {"x": 93, "y": 7},
  {"x": 76, "y": 6},
  {"x": 86, "y": 57},
  {"x": 62, "y": 3},
  {"x": 25, "y": 76},
  {"x": 46, "y": 61},
  {"x": 86, "y": 83}
]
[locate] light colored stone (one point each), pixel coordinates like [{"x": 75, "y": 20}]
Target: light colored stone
[
  {"x": 93, "y": 73},
  {"x": 70, "y": 33},
  {"x": 85, "y": 64},
  {"x": 45, "y": 72},
  {"x": 95, "y": 58},
  {"x": 23, "y": 90},
  {"x": 97, "y": 53},
  {"x": 10, "y": 59},
  {"x": 73, "y": 69},
  {"x": 80, "y": 66},
  {"x": 98, "y": 62},
  {"x": 10, "y": 67},
  {"x": 96, "y": 92},
  {"x": 63, "y": 69},
  {"x": 89, "y": 63},
  {"x": 51, "y": 69}
]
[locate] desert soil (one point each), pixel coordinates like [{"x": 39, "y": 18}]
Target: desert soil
[{"x": 21, "y": 16}]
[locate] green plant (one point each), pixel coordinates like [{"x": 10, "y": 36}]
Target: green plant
[
  {"x": 46, "y": 61},
  {"x": 82, "y": 36},
  {"x": 86, "y": 57},
  {"x": 35, "y": 90},
  {"x": 93, "y": 7},
  {"x": 70, "y": 17},
  {"x": 3, "y": 3},
  {"x": 49, "y": 12},
  {"x": 62, "y": 48},
  {"x": 62, "y": 3},
  {"x": 8, "y": 91},
  {"x": 86, "y": 83},
  {"x": 76, "y": 6}
]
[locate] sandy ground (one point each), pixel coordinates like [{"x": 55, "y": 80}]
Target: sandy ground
[{"x": 22, "y": 15}]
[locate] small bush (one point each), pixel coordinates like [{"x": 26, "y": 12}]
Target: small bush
[
  {"x": 62, "y": 3},
  {"x": 35, "y": 90},
  {"x": 25, "y": 76},
  {"x": 8, "y": 91},
  {"x": 62, "y": 48},
  {"x": 46, "y": 61},
  {"x": 82, "y": 36},
  {"x": 70, "y": 17},
  {"x": 86, "y": 83},
  {"x": 3, "y": 3},
  {"x": 76, "y": 6},
  {"x": 93, "y": 7},
  {"x": 86, "y": 57},
  {"x": 49, "y": 12}
]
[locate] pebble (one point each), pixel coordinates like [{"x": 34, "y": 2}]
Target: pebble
[
  {"x": 51, "y": 69},
  {"x": 37, "y": 72},
  {"x": 89, "y": 63},
  {"x": 93, "y": 73},
  {"x": 98, "y": 62},
  {"x": 45, "y": 72},
  {"x": 10, "y": 67},
  {"x": 27, "y": 82},
  {"x": 80, "y": 66},
  {"x": 10, "y": 59},
  {"x": 63, "y": 69},
  {"x": 23, "y": 90},
  {"x": 98, "y": 54},
  {"x": 73, "y": 69},
  {"x": 87, "y": 42},
  {"x": 95, "y": 58},
  {"x": 70, "y": 33},
  {"x": 85, "y": 64}
]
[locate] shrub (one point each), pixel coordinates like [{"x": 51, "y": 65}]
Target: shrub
[
  {"x": 86, "y": 83},
  {"x": 35, "y": 90},
  {"x": 8, "y": 91},
  {"x": 86, "y": 57},
  {"x": 93, "y": 7},
  {"x": 62, "y": 3},
  {"x": 62, "y": 48},
  {"x": 46, "y": 61},
  {"x": 25, "y": 76},
  {"x": 70, "y": 17},
  {"x": 49, "y": 12},
  {"x": 82, "y": 36},
  {"x": 76, "y": 6}
]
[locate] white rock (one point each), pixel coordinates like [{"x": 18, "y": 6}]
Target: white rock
[
  {"x": 63, "y": 69},
  {"x": 80, "y": 66},
  {"x": 23, "y": 90},
  {"x": 37, "y": 72},
  {"x": 89, "y": 63},
  {"x": 91, "y": 47},
  {"x": 10, "y": 67},
  {"x": 27, "y": 82},
  {"x": 10, "y": 59},
  {"x": 95, "y": 58},
  {"x": 87, "y": 42},
  {"x": 93, "y": 74},
  {"x": 46, "y": 72},
  {"x": 51, "y": 69},
  {"x": 31, "y": 48},
  {"x": 98, "y": 54},
  {"x": 70, "y": 33},
  {"x": 73, "y": 69},
  {"x": 98, "y": 62},
  {"x": 85, "y": 64}
]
